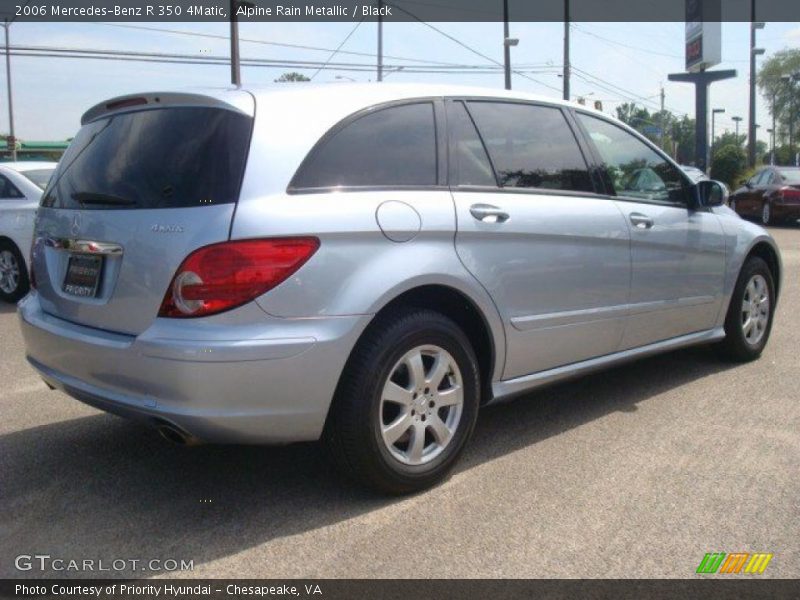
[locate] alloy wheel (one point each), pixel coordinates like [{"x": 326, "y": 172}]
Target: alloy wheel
[
  {"x": 9, "y": 272},
  {"x": 421, "y": 405},
  {"x": 765, "y": 213},
  {"x": 755, "y": 309}
]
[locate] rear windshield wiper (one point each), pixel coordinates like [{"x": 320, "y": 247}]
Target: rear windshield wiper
[{"x": 98, "y": 198}]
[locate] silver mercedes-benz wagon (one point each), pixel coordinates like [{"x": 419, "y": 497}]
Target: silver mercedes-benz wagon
[{"x": 370, "y": 264}]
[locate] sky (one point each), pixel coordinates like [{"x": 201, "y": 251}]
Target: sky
[{"x": 632, "y": 59}]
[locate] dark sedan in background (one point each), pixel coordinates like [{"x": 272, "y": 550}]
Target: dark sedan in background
[{"x": 771, "y": 195}]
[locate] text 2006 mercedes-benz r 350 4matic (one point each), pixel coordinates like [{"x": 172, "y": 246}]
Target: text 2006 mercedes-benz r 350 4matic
[{"x": 370, "y": 264}]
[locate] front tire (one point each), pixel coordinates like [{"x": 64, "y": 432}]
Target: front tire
[
  {"x": 749, "y": 319},
  {"x": 406, "y": 404},
  {"x": 13, "y": 274},
  {"x": 766, "y": 214}
]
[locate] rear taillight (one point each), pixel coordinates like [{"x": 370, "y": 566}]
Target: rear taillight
[
  {"x": 789, "y": 193},
  {"x": 223, "y": 276}
]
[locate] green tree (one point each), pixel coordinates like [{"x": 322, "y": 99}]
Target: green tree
[
  {"x": 728, "y": 163},
  {"x": 683, "y": 132},
  {"x": 292, "y": 76},
  {"x": 780, "y": 95}
]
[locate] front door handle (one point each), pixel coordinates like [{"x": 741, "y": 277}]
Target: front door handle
[
  {"x": 641, "y": 221},
  {"x": 488, "y": 213}
]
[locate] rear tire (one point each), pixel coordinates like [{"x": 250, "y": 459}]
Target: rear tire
[
  {"x": 406, "y": 404},
  {"x": 13, "y": 273},
  {"x": 749, "y": 320}
]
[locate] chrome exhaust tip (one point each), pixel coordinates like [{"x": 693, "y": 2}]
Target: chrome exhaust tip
[{"x": 176, "y": 436}]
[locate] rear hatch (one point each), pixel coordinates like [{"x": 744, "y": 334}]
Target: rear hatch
[{"x": 147, "y": 180}]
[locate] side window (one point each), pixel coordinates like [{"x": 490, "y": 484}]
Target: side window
[
  {"x": 393, "y": 146},
  {"x": 531, "y": 146},
  {"x": 8, "y": 191},
  {"x": 469, "y": 162},
  {"x": 768, "y": 179},
  {"x": 636, "y": 170}
]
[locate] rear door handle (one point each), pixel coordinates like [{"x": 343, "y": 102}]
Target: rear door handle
[
  {"x": 488, "y": 213},
  {"x": 641, "y": 221}
]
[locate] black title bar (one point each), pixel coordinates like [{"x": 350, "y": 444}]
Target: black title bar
[{"x": 389, "y": 10}]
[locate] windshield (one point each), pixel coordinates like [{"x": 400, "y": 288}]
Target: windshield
[
  {"x": 792, "y": 177},
  {"x": 39, "y": 177},
  {"x": 157, "y": 158}
]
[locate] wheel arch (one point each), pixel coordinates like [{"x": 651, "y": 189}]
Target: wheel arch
[
  {"x": 769, "y": 255},
  {"x": 465, "y": 311}
]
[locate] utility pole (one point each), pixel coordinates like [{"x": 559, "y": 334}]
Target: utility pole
[
  {"x": 566, "y": 51},
  {"x": 380, "y": 40},
  {"x": 236, "y": 73},
  {"x": 751, "y": 126},
  {"x": 12, "y": 137},
  {"x": 506, "y": 47}
]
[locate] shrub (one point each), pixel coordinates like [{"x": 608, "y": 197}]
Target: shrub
[{"x": 728, "y": 165}]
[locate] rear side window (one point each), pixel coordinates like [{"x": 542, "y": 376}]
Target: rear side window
[
  {"x": 8, "y": 190},
  {"x": 160, "y": 158},
  {"x": 394, "y": 146},
  {"x": 531, "y": 146}
]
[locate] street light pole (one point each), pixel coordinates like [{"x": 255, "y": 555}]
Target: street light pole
[
  {"x": 737, "y": 120},
  {"x": 714, "y": 113},
  {"x": 13, "y": 144},
  {"x": 751, "y": 126}
]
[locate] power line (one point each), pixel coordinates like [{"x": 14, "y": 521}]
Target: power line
[
  {"x": 157, "y": 57},
  {"x": 339, "y": 47},
  {"x": 268, "y": 43},
  {"x": 466, "y": 46}
]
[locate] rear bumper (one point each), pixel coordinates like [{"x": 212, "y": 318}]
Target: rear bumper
[{"x": 267, "y": 381}]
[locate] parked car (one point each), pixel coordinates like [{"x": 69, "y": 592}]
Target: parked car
[
  {"x": 370, "y": 264},
  {"x": 694, "y": 173},
  {"x": 21, "y": 186},
  {"x": 771, "y": 195}
]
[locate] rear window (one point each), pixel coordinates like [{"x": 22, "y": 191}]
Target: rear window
[
  {"x": 791, "y": 177},
  {"x": 159, "y": 158},
  {"x": 39, "y": 177}
]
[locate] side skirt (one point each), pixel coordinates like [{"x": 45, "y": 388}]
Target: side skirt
[{"x": 509, "y": 389}]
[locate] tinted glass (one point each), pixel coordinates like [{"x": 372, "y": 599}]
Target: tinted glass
[
  {"x": 763, "y": 178},
  {"x": 791, "y": 176},
  {"x": 636, "y": 170},
  {"x": 162, "y": 158},
  {"x": 469, "y": 162},
  {"x": 531, "y": 146},
  {"x": 393, "y": 146},
  {"x": 8, "y": 189},
  {"x": 39, "y": 177}
]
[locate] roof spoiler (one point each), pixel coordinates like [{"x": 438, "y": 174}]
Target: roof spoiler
[{"x": 229, "y": 100}]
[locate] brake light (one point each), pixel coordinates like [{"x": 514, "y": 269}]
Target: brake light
[
  {"x": 789, "y": 193},
  {"x": 223, "y": 276}
]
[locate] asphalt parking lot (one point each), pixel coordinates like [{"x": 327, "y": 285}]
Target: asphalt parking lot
[{"x": 636, "y": 472}]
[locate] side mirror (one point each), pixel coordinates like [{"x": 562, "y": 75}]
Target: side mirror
[{"x": 711, "y": 193}]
